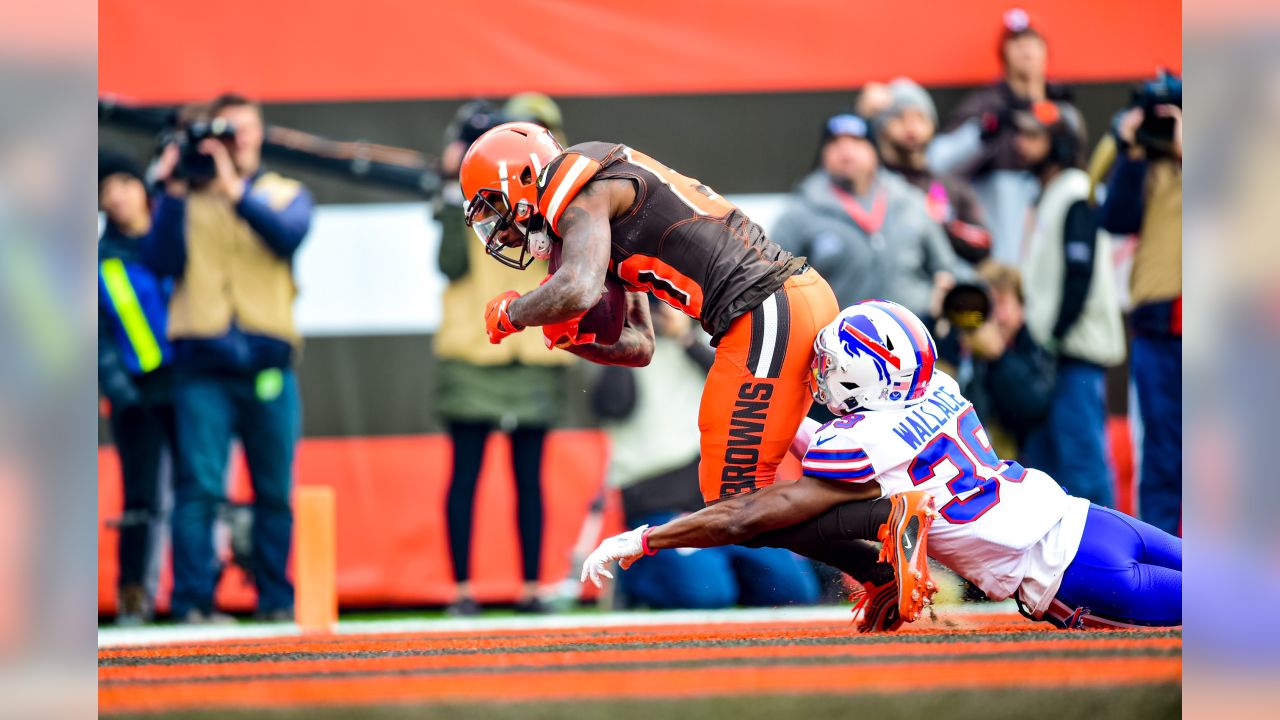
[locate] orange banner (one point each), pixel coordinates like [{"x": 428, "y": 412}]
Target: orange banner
[
  {"x": 296, "y": 50},
  {"x": 391, "y": 543}
]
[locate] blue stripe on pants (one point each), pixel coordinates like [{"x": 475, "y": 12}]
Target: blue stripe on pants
[{"x": 1125, "y": 570}]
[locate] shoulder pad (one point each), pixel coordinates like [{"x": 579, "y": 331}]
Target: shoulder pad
[{"x": 560, "y": 182}]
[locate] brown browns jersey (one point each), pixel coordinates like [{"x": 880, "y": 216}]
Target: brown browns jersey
[{"x": 680, "y": 240}]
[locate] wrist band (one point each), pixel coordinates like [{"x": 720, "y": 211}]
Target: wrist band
[{"x": 644, "y": 543}]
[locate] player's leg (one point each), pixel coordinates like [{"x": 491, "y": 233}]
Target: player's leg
[
  {"x": 804, "y": 306},
  {"x": 1159, "y": 548},
  {"x": 757, "y": 390},
  {"x": 1117, "y": 578},
  {"x": 836, "y": 538},
  {"x": 839, "y": 538}
]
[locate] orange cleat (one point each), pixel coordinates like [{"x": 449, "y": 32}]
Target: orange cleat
[
  {"x": 903, "y": 545},
  {"x": 875, "y": 608}
]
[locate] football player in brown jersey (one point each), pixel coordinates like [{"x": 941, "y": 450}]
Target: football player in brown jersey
[{"x": 616, "y": 211}]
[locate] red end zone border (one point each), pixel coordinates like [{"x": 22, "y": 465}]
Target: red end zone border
[{"x": 672, "y": 655}]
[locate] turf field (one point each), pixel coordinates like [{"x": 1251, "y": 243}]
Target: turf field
[{"x": 731, "y": 665}]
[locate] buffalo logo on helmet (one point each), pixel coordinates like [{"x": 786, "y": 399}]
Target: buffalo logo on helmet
[{"x": 860, "y": 337}]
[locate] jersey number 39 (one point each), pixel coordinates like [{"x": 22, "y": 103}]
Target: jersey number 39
[{"x": 976, "y": 485}]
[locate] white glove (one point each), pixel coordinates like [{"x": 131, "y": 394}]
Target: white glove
[{"x": 627, "y": 548}]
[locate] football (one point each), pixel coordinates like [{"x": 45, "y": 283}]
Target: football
[{"x": 608, "y": 315}]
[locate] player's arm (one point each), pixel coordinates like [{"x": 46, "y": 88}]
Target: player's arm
[
  {"x": 779, "y": 505},
  {"x": 634, "y": 347},
  {"x": 728, "y": 522},
  {"x": 575, "y": 286}
]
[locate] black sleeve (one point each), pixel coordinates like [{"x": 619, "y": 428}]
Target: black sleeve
[
  {"x": 613, "y": 397},
  {"x": 1079, "y": 243},
  {"x": 1021, "y": 382},
  {"x": 453, "y": 253},
  {"x": 1122, "y": 208}
]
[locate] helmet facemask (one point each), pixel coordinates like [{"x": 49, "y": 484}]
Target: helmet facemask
[
  {"x": 840, "y": 398},
  {"x": 489, "y": 215}
]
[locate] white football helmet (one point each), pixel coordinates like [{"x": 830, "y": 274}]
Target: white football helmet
[{"x": 876, "y": 355}]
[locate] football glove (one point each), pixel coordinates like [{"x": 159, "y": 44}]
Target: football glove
[
  {"x": 625, "y": 548},
  {"x": 497, "y": 320}
]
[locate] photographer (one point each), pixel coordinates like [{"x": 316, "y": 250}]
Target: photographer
[
  {"x": 1001, "y": 369},
  {"x": 1144, "y": 197},
  {"x": 227, "y": 231}
]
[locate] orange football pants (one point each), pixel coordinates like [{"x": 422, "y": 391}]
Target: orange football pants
[{"x": 757, "y": 391}]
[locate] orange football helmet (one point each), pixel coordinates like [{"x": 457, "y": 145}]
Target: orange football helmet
[{"x": 499, "y": 177}]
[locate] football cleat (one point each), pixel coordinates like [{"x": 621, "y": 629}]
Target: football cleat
[
  {"x": 904, "y": 546},
  {"x": 875, "y": 608}
]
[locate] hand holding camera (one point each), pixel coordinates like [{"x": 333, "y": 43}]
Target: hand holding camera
[
  {"x": 986, "y": 341},
  {"x": 196, "y": 154},
  {"x": 226, "y": 180},
  {"x": 164, "y": 171},
  {"x": 1152, "y": 125},
  {"x": 1174, "y": 114}
]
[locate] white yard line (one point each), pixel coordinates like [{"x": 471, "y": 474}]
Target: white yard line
[{"x": 155, "y": 635}]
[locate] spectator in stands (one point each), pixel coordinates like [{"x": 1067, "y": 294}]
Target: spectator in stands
[
  {"x": 1144, "y": 197},
  {"x": 229, "y": 241},
  {"x": 1001, "y": 369},
  {"x": 134, "y": 374},
  {"x": 473, "y": 403},
  {"x": 905, "y": 123},
  {"x": 1071, "y": 305},
  {"x": 868, "y": 232},
  {"x": 979, "y": 140},
  {"x": 651, "y": 416}
]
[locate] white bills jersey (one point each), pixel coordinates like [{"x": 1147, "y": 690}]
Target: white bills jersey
[{"x": 1005, "y": 528}]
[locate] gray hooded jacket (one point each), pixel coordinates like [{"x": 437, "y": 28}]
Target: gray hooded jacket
[{"x": 897, "y": 263}]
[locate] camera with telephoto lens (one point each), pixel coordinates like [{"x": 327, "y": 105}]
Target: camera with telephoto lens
[
  {"x": 195, "y": 166},
  {"x": 966, "y": 306},
  {"x": 1156, "y": 132}
]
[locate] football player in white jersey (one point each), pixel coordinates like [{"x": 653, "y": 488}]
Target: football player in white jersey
[{"x": 1012, "y": 531}]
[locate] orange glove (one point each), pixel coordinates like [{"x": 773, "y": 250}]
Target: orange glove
[
  {"x": 566, "y": 333},
  {"x": 496, "y": 320}
]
